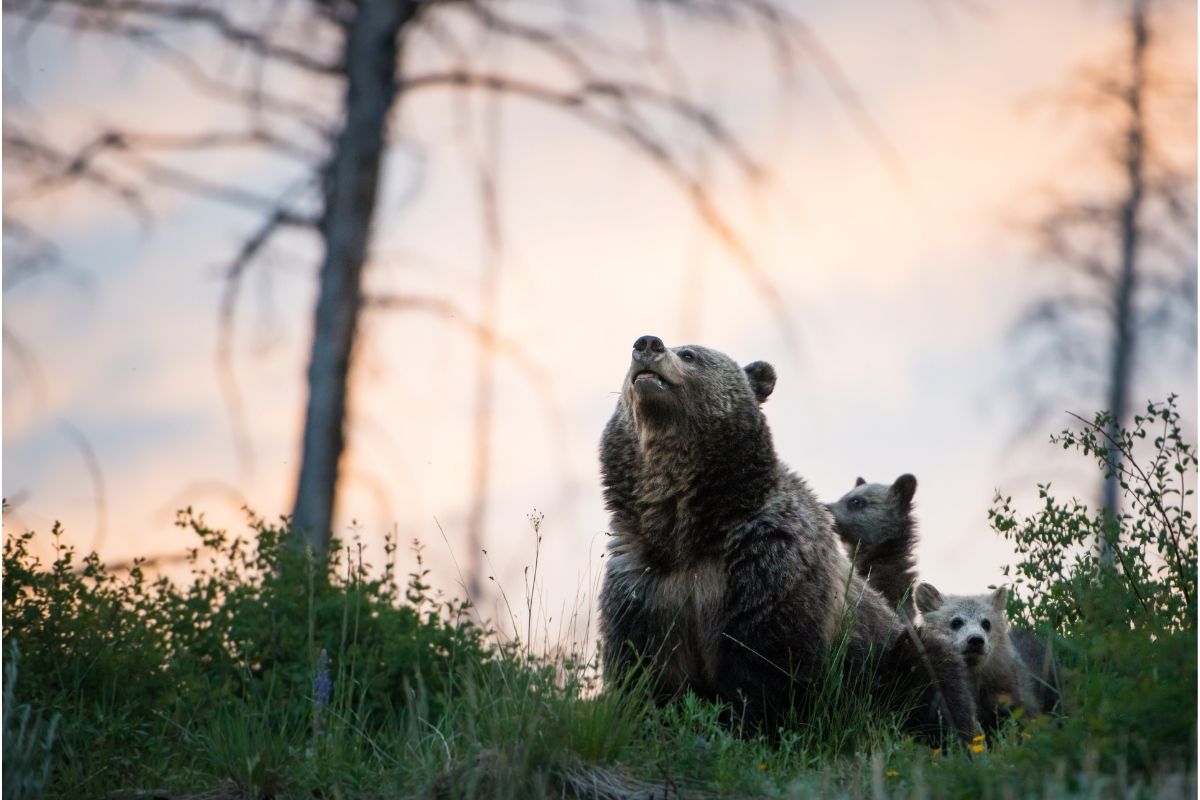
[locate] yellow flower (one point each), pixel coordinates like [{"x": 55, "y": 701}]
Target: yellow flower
[
  {"x": 937, "y": 751},
  {"x": 891, "y": 773},
  {"x": 762, "y": 765},
  {"x": 1004, "y": 699},
  {"x": 1026, "y": 735},
  {"x": 978, "y": 738},
  {"x": 977, "y": 748}
]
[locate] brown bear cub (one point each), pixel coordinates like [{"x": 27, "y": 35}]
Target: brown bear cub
[
  {"x": 723, "y": 574},
  {"x": 978, "y": 626},
  {"x": 876, "y": 523}
]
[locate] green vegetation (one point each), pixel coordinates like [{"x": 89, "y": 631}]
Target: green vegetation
[{"x": 271, "y": 674}]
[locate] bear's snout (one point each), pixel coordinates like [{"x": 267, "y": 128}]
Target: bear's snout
[{"x": 648, "y": 348}]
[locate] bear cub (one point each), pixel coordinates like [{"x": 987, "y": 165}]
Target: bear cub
[
  {"x": 876, "y": 523},
  {"x": 978, "y": 626}
]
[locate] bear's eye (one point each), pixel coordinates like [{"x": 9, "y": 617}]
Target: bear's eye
[
  {"x": 687, "y": 355},
  {"x": 956, "y": 623},
  {"x": 856, "y": 503},
  {"x": 986, "y": 624}
]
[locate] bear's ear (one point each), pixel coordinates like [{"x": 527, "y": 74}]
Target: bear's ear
[
  {"x": 859, "y": 482},
  {"x": 762, "y": 379},
  {"x": 904, "y": 488},
  {"x": 1000, "y": 599},
  {"x": 928, "y": 598}
]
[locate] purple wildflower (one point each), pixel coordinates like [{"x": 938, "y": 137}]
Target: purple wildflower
[{"x": 322, "y": 683}]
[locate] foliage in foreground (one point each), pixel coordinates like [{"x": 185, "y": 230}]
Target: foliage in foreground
[{"x": 271, "y": 674}]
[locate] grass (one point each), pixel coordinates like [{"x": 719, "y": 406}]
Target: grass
[{"x": 126, "y": 687}]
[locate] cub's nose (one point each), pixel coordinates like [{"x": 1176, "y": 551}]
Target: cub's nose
[
  {"x": 975, "y": 644},
  {"x": 648, "y": 348}
]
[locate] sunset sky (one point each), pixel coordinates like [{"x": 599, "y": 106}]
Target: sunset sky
[{"x": 901, "y": 279}]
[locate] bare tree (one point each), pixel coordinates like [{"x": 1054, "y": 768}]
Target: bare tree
[
  {"x": 315, "y": 84},
  {"x": 1126, "y": 258}
]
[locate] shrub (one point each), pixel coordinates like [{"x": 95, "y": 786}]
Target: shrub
[
  {"x": 1117, "y": 593},
  {"x": 136, "y": 667}
]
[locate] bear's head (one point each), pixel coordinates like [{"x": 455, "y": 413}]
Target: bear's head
[
  {"x": 691, "y": 386},
  {"x": 873, "y": 513},
  {"x": 976, "y": 624}
]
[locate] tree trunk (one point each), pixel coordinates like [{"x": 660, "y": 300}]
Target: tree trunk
[
  {"x": 370, "y": 59},
  {"x": 1125, "y": 282}
]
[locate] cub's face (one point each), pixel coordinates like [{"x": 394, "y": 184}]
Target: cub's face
[
  {"x": 690, "y": 384},
  {"x": 976, "y": 624},
  {"x": 870, "y": 513}
]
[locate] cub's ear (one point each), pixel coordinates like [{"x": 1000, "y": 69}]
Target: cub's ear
[
  {"x": 928, "y": 598},
  {"x": 859, "y": 482},
  {"x": 762, "y": 379},
  {"x": 904, "y": 488},
  {"x": 1000, "y": 599}
]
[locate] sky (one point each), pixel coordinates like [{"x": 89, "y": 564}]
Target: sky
[{"x": 900, "y": 276}]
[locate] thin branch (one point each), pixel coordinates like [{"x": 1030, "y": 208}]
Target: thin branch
[
  {"x": 254, "y": 98},
  {"x": 20, "y": 352},
  {"x": 57, "y": 168},
  {"x": 619, "y": 92},
  {"x": 658, "y": 153},
  {"x": 218, "y": 192},
  {"x": 449, "y": 312},
  {"x": 91, "y": 15},
  {"x": 256, "y": 138},
  {"x": 99, "y": 495},
  {"x": 831, "y": 71},
  {"x": 251, "y": 248}
]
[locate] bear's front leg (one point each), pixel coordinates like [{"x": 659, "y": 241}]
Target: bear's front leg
[{"x": 772, "y": 643}]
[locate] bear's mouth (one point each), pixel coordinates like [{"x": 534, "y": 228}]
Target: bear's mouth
[
  {"x": 649, "y": 379},
  {"x": 972, "y": 656}
]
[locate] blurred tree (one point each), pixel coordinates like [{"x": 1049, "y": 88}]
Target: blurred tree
[
  {"x": 314, "y": 85},
  {"x": 1126, "y": 254}
]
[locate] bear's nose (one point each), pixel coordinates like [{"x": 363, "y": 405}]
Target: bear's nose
[
  {"x": 647, "y": 348},
  {"x": 975, "y": 644}
]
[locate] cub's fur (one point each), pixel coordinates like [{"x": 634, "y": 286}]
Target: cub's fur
[
  {"x": 1042, "y": 665},
  {"x": 978, "y": 626},
  {"x": 876, "y": 523},
  {"x": 723, "y": 574}
]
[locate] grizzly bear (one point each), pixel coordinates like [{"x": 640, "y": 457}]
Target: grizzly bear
[
  {"x": 876, "y": 523},
  {"x": 723, "y": 575},
  {"x": 878, "y": 526},
  {"x": 978, "y": 626}
]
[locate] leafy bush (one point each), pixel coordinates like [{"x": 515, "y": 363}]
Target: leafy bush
[
  {"x": 137, "y": 667},
  {"x": 1138, "y": 566},
  {"x": 1117, "y": 593}
]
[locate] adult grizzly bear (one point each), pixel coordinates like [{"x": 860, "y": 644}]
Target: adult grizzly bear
[{"x": 724, "y": 576}]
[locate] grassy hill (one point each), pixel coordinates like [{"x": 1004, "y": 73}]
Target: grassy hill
[{"x": 274, "y": 674}]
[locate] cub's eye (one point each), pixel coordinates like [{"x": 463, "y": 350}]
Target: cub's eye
[
  {"x": 856, "y": 503},
  {"x": 986, "y": 624},
  {"x": 687, "y": 355},
  {"x": 956, "y": 623}
]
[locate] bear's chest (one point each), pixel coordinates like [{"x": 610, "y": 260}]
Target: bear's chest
[{"x": 685, "y": 607}]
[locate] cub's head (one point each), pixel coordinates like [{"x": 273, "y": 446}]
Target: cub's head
[
  {"x": 976, "y": 624},
  {"x": 690, "y": 386},
  {"x": 873, "y": 513}
]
